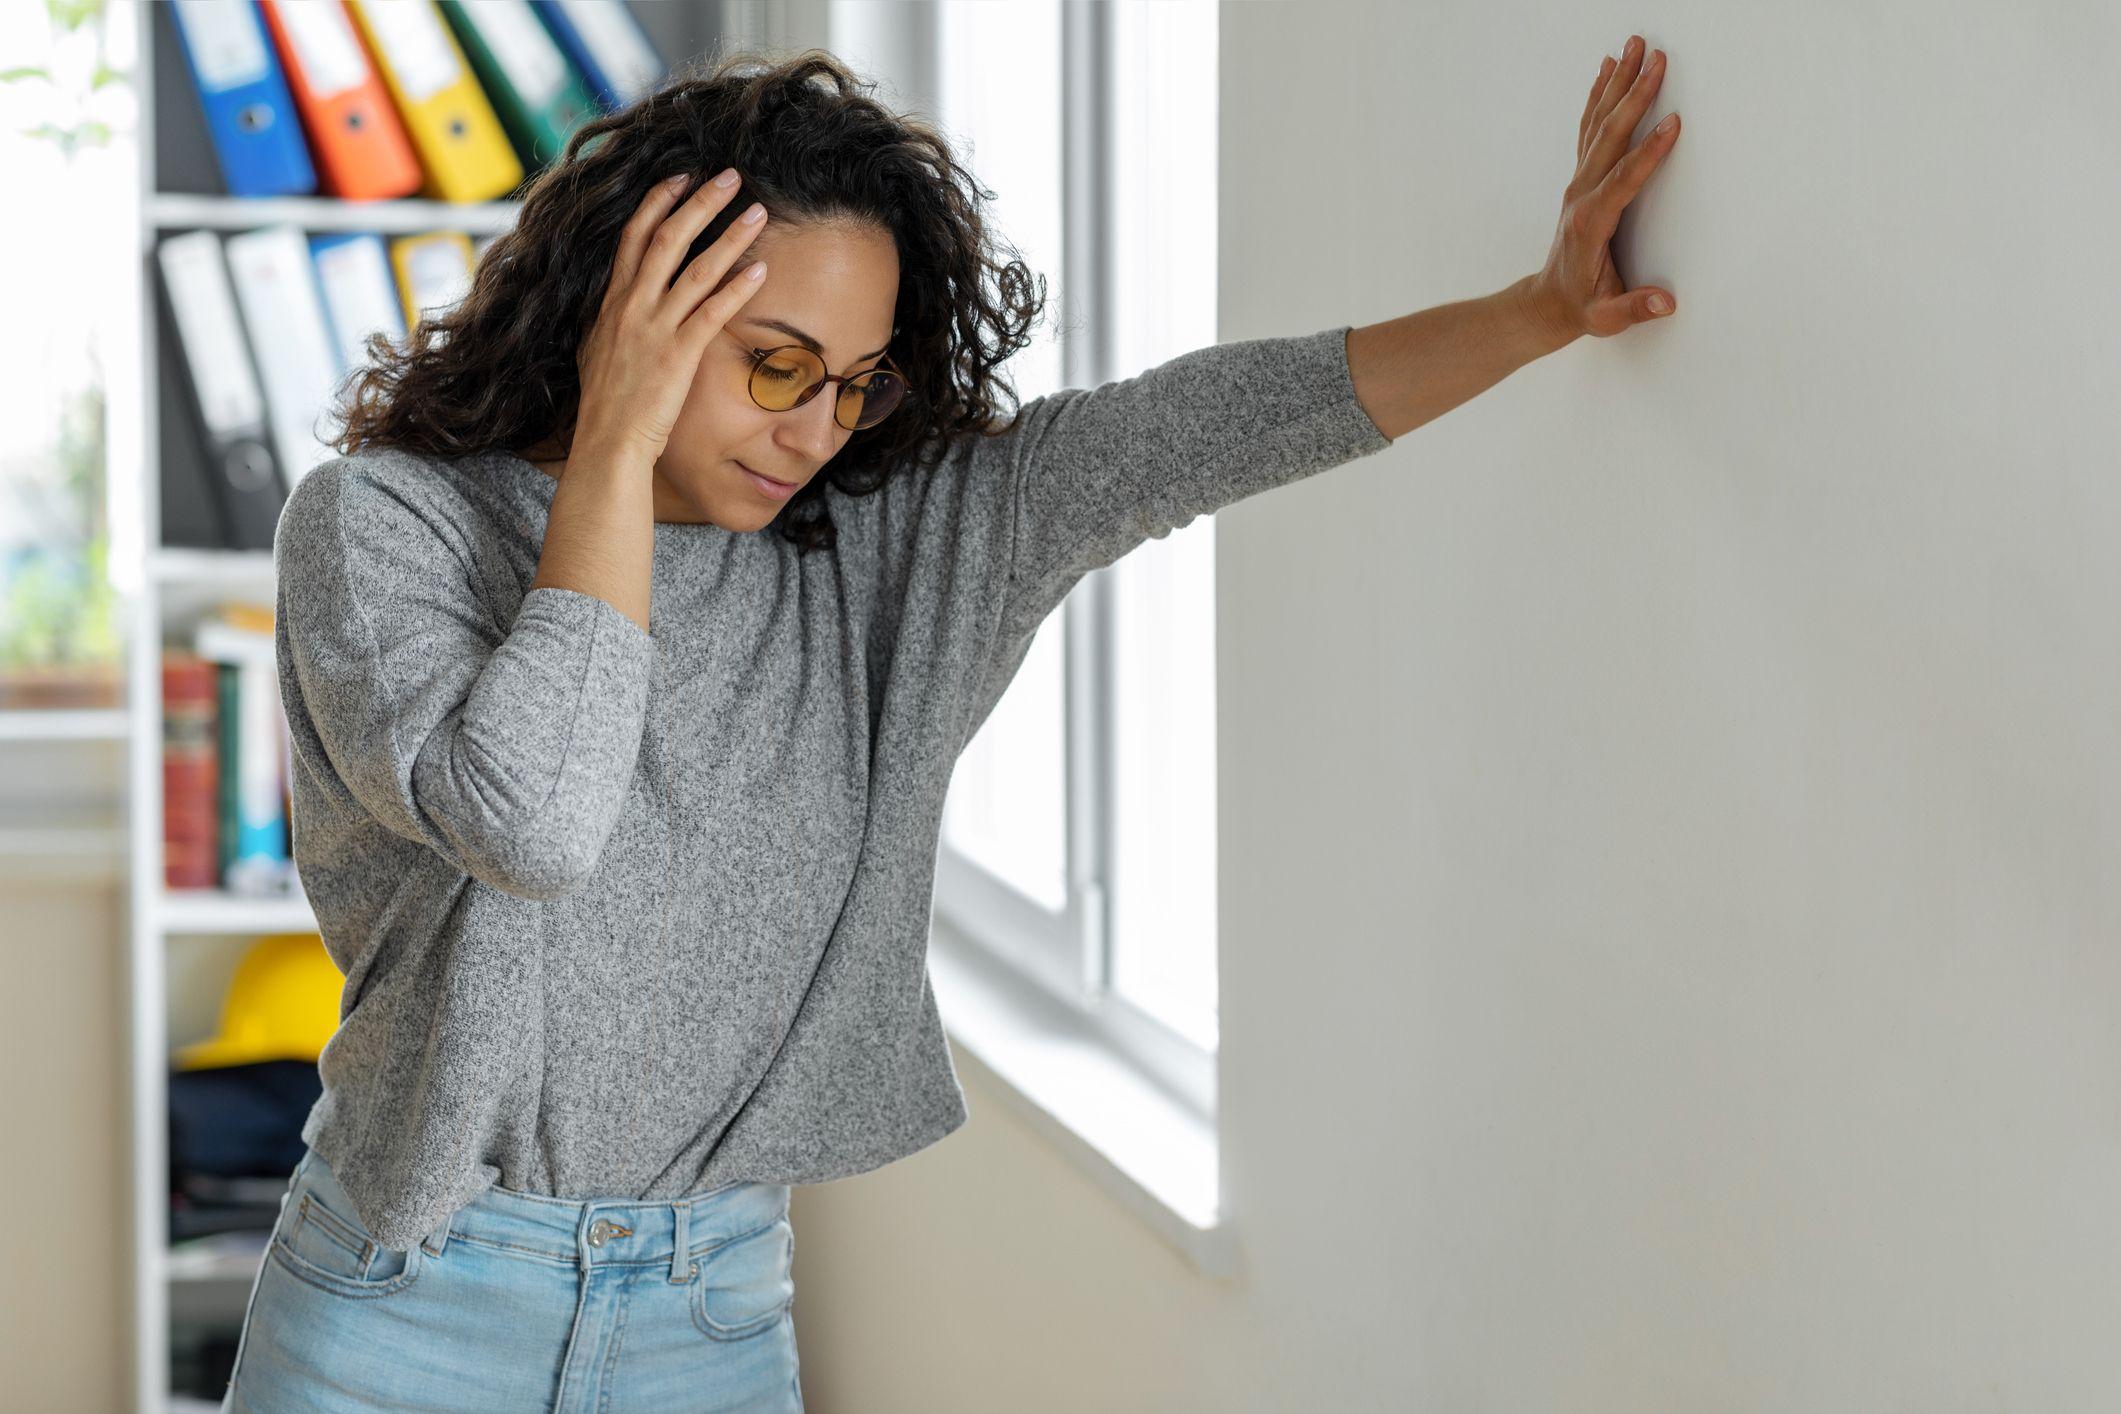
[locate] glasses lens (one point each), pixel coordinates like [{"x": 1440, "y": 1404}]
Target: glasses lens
[
  {"x": 870, "y": 398},
  {"x": 786, "y": 377},
  {"x": 783, "y": 376}
]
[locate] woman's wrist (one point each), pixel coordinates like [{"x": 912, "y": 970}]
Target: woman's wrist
[
  {"x": 620, "y": 453},
  {"x": 1547, "y": 322},
  {"x": 1413, "y": 369}
]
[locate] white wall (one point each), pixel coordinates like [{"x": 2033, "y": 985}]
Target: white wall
[
  {"x": 1668, "y": 803},
  {"x": 66, "y": 1259}
]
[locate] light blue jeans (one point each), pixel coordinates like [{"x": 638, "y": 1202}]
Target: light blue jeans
[{"x": 524, "y": 1302}]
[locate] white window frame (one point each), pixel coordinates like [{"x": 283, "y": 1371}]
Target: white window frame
[
  {"x": 1068, "y": 956},
  {"x": 1022, "y": 990}
]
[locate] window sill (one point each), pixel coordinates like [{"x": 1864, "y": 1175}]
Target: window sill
[{"x": 1157, "y": 1158}]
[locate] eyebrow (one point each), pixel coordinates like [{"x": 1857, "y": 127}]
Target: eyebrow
[{"x": 783, "y": 326}]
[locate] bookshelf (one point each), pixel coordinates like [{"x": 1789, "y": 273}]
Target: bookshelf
[
  {"x": 177, "y": 211},
  {"x": 182, "y": 943}
]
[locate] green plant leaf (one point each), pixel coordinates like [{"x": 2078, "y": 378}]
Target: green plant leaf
[{"x": 70, "y": 15}]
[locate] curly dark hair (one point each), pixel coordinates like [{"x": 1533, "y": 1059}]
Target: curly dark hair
[{"x": 497, "y": 369}]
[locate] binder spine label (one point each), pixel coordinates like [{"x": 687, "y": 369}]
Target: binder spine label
[
  {"x": 630, "y": 65},
  {"x": 227, "y": 42},
  {"x": 438, "y": 274},
  {"x": 419, "y": 48},
  {"x": 525, "y": 50},
  {"x": 324, "y": 43}
]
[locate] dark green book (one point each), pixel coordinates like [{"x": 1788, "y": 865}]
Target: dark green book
[{"x": 528, "y": 78}]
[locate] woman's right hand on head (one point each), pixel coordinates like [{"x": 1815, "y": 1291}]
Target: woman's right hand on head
[{"x": 638, "y": 362}]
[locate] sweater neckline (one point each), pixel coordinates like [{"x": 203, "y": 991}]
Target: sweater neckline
[{"x": 545, "y": 487}]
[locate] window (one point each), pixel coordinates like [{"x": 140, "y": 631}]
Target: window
[
  {"x": 1079, "y": 834},
  {"x": 1163, "y": 242},
  {"x": 999, "y": 96},
  {"x": 1076, "y": 877}
]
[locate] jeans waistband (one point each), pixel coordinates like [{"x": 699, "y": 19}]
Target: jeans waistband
[{"x": 570, "y": 1232}]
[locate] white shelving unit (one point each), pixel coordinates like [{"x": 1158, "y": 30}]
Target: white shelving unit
[
  {"x": 62, "y": 724},
  {"x": 211, "y": 1280},
  {"x": 181, "y": 211}
]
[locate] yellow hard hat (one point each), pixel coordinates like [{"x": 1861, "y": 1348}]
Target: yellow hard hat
[{"x": 282, "y": 1004}]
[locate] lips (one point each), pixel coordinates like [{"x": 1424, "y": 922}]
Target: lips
[{"x": 762, "y": 475}]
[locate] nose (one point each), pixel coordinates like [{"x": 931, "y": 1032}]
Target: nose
[{"x": 813, "y": 428}]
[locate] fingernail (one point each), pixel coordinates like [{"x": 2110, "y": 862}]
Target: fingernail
[
  {"x": 727, "y": 179},
  {"x": 1660, "y": 305},
  {"x": 1670, "y": 121},
  {"x": 673, "y": 183},
  {"x": 755, "y": 212}
]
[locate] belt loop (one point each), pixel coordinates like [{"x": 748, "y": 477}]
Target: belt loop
[
  {"x": 439, "y": 1238},
  {"x": 680, "y": 1242}
]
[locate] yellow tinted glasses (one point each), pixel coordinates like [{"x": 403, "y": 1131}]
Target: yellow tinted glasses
[{"x": 785, "y": 378}]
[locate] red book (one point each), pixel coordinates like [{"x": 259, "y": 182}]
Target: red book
[{"x": 191, "y": 781}]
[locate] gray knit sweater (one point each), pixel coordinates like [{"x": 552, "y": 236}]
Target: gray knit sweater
[{"x": 633, "y": 914}]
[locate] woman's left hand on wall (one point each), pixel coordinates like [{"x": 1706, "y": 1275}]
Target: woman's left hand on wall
[{"x": 1580, "y": 290}]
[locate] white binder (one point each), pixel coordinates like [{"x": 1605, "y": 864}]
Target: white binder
[{"x": 276, "y": 288}]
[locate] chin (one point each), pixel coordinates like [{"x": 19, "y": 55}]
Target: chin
[
  {"x": 738, "y": 520},
  {"x": 742, "y": 513}
]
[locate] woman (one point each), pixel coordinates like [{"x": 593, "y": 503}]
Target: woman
[{"x": 620, "y": 816}]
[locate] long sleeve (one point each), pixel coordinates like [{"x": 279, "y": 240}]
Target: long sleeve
[
  {"x": 507, "y": 749},
  {"x": 1094, "y": 473},
  {"x": 1087, "y": 475}
]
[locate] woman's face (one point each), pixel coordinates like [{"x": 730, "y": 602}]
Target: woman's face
[{"x": 839, "y": 286}]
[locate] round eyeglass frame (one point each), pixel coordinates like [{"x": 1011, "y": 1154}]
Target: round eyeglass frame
[{"x": 759, "y": 357}]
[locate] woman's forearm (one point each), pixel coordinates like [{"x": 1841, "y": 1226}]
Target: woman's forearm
[
  {"x": 600, "y": 532},
  {"x": 1421, "y": 365}
]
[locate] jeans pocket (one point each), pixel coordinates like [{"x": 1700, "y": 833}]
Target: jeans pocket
[
  {"x": 745, "y": 1285},
  {"x": 331, "y": 1251}
]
